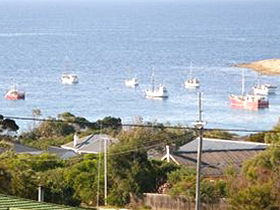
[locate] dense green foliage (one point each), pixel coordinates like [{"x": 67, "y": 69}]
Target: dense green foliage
[
  {"x": 75, "y": 181},
  {"x": 270, "y": 137},
  {"x": 258, "y": 137},
  {"x": 55, "y": 133},
  {"x": 183, "y": 181},
  {"x": 131, "y": 172},
  {"x": 7, "y": 125},
  {"x": 258, "y": 187}
]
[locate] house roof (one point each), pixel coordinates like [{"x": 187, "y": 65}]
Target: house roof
[
  {"x": 217, "y": 154},
  {"x": 90, "y": 144},
  {"x": 21, "y": 149},
  {"x": 215, "y": 163},
  {"x": 221, "y": 145},
  {"x": 12, "y": 202},
  {"x": 61, "y": 152}
]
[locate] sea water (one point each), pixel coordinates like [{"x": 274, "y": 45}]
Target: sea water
[{"x": 105, "y": 43}]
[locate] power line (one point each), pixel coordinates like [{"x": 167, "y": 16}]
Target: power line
[{"x": 159, "y": 125}]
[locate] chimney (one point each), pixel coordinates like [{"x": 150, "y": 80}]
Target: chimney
[
  {"x": 40, "y": 194},
  {"x": 75, "y": 140}
]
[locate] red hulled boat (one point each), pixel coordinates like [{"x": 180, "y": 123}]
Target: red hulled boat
[
  {"x": 248, "y": 101},
  {"x": 252, "y": 102},
  {"x": 15, "y": 94}
]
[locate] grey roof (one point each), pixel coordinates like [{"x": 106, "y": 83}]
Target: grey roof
[
  {"x": 215, "y": 163},
  {"x": 90, "y": 144},
  {"x": 221, "y": 145},
  {"x": 61, "y": 152},
  {"x": 217, "y": 155},
  {"x": 20, "y": 148}
]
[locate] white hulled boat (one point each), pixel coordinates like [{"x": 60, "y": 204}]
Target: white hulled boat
[
  {"x": 192, "y": 82},
  {"x": 159, "y": 92},
  {"x": 133, "y": 82},
  {"x": 264, "y": 89},
  {"x": 156, "y": 92},
  {"x": 69, "y": 79}
]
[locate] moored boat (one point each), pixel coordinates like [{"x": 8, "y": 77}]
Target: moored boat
[
  {"x": 252, "y": 102},
  {"x": 156, "y": 92},
  {"x": 192, "y": 82},
  {"x": 159, "y": 92},
  {"x": 14, "y": 94},
  {"x": 133, "y": 82},
  {"x": 69, "y": 79},
  {"x": 248, "y": 101},
  {"x": 264, "y": 89}
]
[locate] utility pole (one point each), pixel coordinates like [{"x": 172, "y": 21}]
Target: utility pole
[
  {"x": 98, "y": 173},
  {"x": 199, "y": 125},
  {"x": 105, "y": 171}
]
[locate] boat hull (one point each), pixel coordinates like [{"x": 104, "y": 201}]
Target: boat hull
[
  {"x": 131, "y": 83},
  {"x": 191, "y": 83},
  {"x": 150, "y": 94},
  {"x": 20, "y": 96},
  {"x": 242, "y": 102},
  {"x": 69, "y": 79}
]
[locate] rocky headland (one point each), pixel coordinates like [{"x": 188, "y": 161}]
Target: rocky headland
[{"x": 269, "y": 66}]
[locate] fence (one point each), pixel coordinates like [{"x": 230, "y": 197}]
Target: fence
[{"x": 166, "y": 202}]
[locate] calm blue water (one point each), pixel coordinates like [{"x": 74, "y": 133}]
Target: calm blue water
[{"x": 103, "y": 40}]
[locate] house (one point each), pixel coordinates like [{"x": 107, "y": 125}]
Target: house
[
  {"x": 217, "y": 154},
  {"x": 90, "y": 144},
  {"x": 21, "y": 149}
]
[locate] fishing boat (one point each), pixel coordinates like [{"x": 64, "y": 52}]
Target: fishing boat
[
  {"x": 264, "y": 89},
  {"x": 192, "y": 82},
  {"x": 133, "y": 82},
  {"x": 156, "y": 92},
  {"x": 14, "y": 94},
  {"x": 248, "y": 101},
  {"x": 159, "y": 92},
  {"x": 251, "y": 102},
  {"x": 69, "y": 79}
]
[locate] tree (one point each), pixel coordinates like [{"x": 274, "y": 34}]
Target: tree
[
  {"x": 131, "y": 173},
  {"x": 258, "y": 187},
  {"x": 78, "y": 122},
  {"x": 83, "y": 178},
  {"x": 7, "y": 126},
  {"x": 109, "y": 122},
  {"x": 36, "y": 113},
  {"x": 183, "y": 182},
  {"x": 218, "y": 134}
]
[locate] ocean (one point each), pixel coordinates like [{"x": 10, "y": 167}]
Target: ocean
[{"x": 106, "y": 43}]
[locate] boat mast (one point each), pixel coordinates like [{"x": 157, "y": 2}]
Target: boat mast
[
  {"x": 243, "y": 83},
  {"x": 153, "y": 80},
  {"x": 258, "y": 80},
  {"x": 190, "y": 70}
]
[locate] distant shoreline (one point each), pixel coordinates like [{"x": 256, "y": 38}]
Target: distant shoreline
[{"x": 268, "y": 66}]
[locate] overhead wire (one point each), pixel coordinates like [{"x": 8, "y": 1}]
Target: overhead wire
[{"x": 148, "y": 125}]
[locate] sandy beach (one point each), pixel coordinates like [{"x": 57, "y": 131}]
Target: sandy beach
[{"x": 269, "y": 66}]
